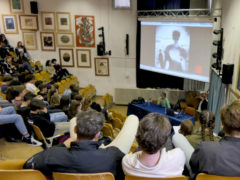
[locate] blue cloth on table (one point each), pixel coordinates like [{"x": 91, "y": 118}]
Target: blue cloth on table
[{"x": 140, "y": 110}]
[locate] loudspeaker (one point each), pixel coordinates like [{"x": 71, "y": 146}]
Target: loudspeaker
[
  {"x": 227, "y": 73},
  {"x": 127, "y": 44},
  {"x": 100, "y": 50},
  {"x": 34, "y": 7}
]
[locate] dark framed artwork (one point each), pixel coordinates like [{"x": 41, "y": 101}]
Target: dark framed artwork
[{"x": 47, "y": 41}]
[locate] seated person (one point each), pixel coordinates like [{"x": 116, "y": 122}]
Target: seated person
[
  {"x": 3, "y": 51},
  {"x": 163, "y": 101},
  {"x": 5, "y": 83},
  {"x": 83, "y": 154},
  {"x": 154, "y": 161},
  {"x": 74, "y": 108},
  {"x": 7, "y": 65},
  {"x": 43, "y": 91},
  {"x": 41, "y": 118},
  {"x": 61, "y": 73},
  {"x": 221, "y": 158},
  {"x": 50, "y": 69},
  {"x": 207, "y": 121},
  {"x": 30, "y": 86},
  {"x": 186, "y": 127},
  {"x": 8, "y": 115},
  {"x": 20, "y": 48},
  {"x": 15, "y": 94}
]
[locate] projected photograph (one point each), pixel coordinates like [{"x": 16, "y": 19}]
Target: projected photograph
[{"x": 172, "y": 48}]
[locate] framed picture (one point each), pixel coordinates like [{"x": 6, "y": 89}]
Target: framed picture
[
  {"x": 83, "y": 58},
  {"x": 232, "y": 96},
  {"x": 63, "y": 21},
  {"x": 66, "y": 57},
  {"x": 48, "y": 21},
  {"x": 30, "y": 40},
  {"x": 101, "y": 67},
  {"x": 28, "y": 22},
  {"x": 85, "y": 31},
  {"x": 16, "y": 6},
  {"x": 47, "y": 41},
  {"x": 10, "y": 24},
  {"x": 65, "y": 39}
]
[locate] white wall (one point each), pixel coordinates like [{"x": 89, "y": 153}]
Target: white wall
[
  {"x": 231, "y": 25},
  {"x": 117, "y": 23}
]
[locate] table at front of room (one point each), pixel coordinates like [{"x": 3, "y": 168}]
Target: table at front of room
[{"x": 140, "y": 110}]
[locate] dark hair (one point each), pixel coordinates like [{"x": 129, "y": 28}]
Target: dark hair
[
  {"x": 207, "y": 120},
  {"x": 96, "y": 107},
  {"x": 54, "y": 60},
  {"x": 14, "y": 83},
  {"x": 153, "y": 132},
  {"x": 74, "y": 88},
  {"x": 55, "y": 100},
  {"x": 163, "y": 93},
  {"x": 29, "y": 77},
  {"x": 64, "y": 102},
  {"x": 37, "y": 104},
  {"x": 7, "y": 78},
  {"x": 230, "y": 117},
  {"x": 13, "y": 91},
  {"x": 29, "y": 96},
  {"x": 51, "y": 93},
  {"x": 186, "y": 127},
  {"x": 78, "y": 97},
  {"x": 38, "y": 83},
  {"x": 42, "y": 86},
  {"x": 47, "y": 63},
  {"x": 73, "y": 109},
  {"x": 89, "y": 123}
]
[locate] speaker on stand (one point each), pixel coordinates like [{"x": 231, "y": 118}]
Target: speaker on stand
[{"x": 34, "y": 7}]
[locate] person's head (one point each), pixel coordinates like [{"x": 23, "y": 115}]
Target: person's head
[
  {"x": 52, "y": 92},
  {"x": 153, "y": 132},
  {"x": 43, "y": 88},
  {"x": 54, "y": 61},
  {"x": 74, "y": 108},
  {"x": 176, "y": 35},
  {"x": 74, "y": 88},
  {"x": 55, "y": 100},
  {"x": 14, "y": 83},
  {"x": 64, "y": 101},
  {"x": 19, "y": 44},
  {"x": 28, "y": 97},
  {"x": 163, "y": 95},
  {"x": 37, "y": 105},
  {"x": 230, "y": 117},
  {"x": 78, "y": 97},
  {"x": 89, "y": 125},
  {"x": 30, "y": 78},
  {"x": 8, "y": 59},
  {"x": 96, "y": 107},
  {"x": 48, "y": 63},
  {"x": 207, "y": 121},
  {"x": 186, "y": 127},
  {"x": 15, "y": 91},
  {"x": 38, "y": 83},
  {"x": 2, "y": 44},
  {"x": 7, "y": 79}
]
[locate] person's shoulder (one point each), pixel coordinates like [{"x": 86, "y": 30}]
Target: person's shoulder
[
  {"x": 113, "y": 150},
  {"x": 176, "y": 152},
  {"x": 208, "y": 147}
]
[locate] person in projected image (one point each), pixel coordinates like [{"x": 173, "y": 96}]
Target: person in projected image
[{"x": 176, "y": 57}]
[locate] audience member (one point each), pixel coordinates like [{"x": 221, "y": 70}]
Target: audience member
[
  {"x": 186, "y": 127},
  {"x": 30, "y": 86},
  {"x": 61, "y": 73},
  {"x": 221, "y": 158},
  {"x": 51, "y": 70},
  {"x": 43, "y": 91},
  {"x": 5, "y": 83},
  {"x": 20, "y": 48},
  {"x": 207, "y": 121},
  {"x": 154, "y": 161},
  {"x": 15, "y": 94},
  {"x": 163, "y": 100},
  {"x": 3, "y": 51},
  {"x": 7, "y": 65},
  {"x": 74, "y": 108}
]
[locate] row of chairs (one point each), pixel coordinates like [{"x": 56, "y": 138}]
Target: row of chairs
[{"x": 88, "y": 92}]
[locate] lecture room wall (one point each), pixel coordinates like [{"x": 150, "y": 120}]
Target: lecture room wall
[{"x": 117, "y": 23}]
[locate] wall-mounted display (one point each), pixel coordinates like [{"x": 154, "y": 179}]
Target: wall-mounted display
[
  {"x": 16, "y": 6},
  {"x": 28, "y": 22},
  {"x": 10, "y": 24},
  {"x": 47, "y": 41},
  {"x": 85, "y": 31},
  {"x": 29, "y": 40},
  {"x": 65, "y": 39},
  {"x": 66, "y": 57},
  {"x": 83, "y": 58},
  {"x": 63, "y": 21},
  {"x": 48, "y": 21},
  {"x": 101, "y": 66}
]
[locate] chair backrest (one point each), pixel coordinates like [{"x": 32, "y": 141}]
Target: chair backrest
[
  {"x": 129, "y": 177},
  {"x": 117, "y": 123},
  {"x": 190, "y": 110},
  {"x": 21, "y": 175},
  {"x": 11, "y": 164},
  {"x": 203, "y": 176},
  {"x": 107, "y": 130},
  {"x": 40, "y": 135},
  {"x": 77, "y": 176}
]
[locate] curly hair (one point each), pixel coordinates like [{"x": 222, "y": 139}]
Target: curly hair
[
  {"x": 153, "y": 132},
  {"x": 207, "y": 120}
]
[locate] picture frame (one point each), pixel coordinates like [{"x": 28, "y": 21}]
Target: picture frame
[
  {"x": 83, "y": 58},
  {"x": 101, "y": 66},
  {"x": 47, "y": 41},
  {"x": 48, "y": 21},
  {"x": 28, "y": 22},
  {"x": 238, "y": 76},
  {"x": 66, "y": 57},
  {"x": 85, "y": 31},
  {"x": 63, "y": 22},
  {"x": 65, "y": 39},
  {"x": 233, "y": 95},
  {"x": 10, "y": 25},
  {"x": 16, "y": 6},
  {"x": 30, "y": 40}
]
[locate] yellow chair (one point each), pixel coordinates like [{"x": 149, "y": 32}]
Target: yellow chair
[
  {"x": 203, "y": 176},
  {"x": 32, "y": 64},
  {"x": 45, "y": 76},
  {"x": 129, "y": 177},
  {"x": 117, "y": 123},
  {"x": 77, "y": 176},
  {"x": 108, "y": 100},
  {"x": 38, "y": 76},
  {"x": 25, "y": 174},
  {"x": 11, "y": 164},
  {"x": 38, "y": 65}
]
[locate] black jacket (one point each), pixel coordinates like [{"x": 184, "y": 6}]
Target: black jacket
[
  {"x": 82, "y": 157},
  {"x": 42, "y": 120}
]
